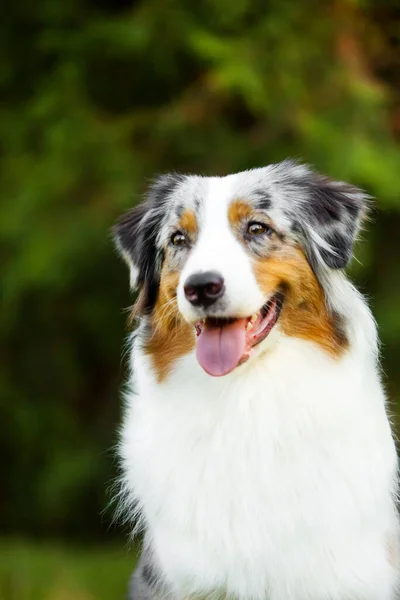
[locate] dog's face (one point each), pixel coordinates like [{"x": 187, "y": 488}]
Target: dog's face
[{"x": 236, "y": 256}]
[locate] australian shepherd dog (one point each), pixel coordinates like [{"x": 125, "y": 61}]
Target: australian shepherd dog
[{"x": 256, "y": 450}]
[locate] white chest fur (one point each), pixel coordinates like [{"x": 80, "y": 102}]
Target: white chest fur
[{"x": 273, "y": 482}]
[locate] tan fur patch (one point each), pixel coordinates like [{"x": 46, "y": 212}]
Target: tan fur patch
[
  {"x": 137, "y": 309},
  {"x": 238, "y": 211},
  {"x": 188, "y": 222},
  {"x": 304, "y": 313},
  {"x": 171, "y": 336}
]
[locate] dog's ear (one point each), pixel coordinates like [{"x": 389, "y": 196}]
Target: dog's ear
[
  {"x": 330, "y": 217},
  {"x": 135, "y": 236},
  {"x": 128, "y": 237}
]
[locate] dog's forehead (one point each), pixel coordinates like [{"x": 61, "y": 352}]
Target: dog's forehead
[{"x": 208, "y": 198}]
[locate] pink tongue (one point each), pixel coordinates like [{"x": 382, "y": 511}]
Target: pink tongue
[{"x": 220, "y": 348}]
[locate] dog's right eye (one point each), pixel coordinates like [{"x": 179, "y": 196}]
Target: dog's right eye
[
  {"x": 254, "y": 228},
  {"x": 179, "y": 239}
]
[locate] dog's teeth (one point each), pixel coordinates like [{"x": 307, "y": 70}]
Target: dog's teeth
[
  {"x": 253, "y": 318},
  {"x": 249, "y": 326}
]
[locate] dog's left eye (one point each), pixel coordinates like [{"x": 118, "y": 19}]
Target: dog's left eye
[
  {"x": 255, "y": 228},
  {"x": 179, "y": 239}
]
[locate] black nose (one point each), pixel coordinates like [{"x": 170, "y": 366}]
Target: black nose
[{"x": 203, "y": 289}]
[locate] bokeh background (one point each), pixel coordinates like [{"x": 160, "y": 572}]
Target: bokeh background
[{"x": 97, "y": 96}]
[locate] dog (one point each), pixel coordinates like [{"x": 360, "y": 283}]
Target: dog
[{"x": 256, "y": 449}]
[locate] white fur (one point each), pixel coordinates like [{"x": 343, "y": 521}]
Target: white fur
[
  {"x": 277, "y": 481},
  {"x": 217, "y": 249}
]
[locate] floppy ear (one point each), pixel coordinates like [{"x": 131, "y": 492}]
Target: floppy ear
[
  {"x": 332, "y": 213},
  {"x": 135, "y": 236},
  {"x": 127, "y": 238}
]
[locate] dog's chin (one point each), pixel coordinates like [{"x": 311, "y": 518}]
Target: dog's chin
[{"x": 225, "y": 343}]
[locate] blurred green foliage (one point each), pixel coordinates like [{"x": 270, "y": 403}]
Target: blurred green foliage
[
  {"x": 97, "y": 97},
  {"x": 52, "y": 572}
]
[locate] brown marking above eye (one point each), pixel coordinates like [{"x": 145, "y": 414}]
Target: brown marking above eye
[
  {"x": 250, "y": 224},
  {"x": 304, "y": 313},
  {"x": 188, "y": 222},
  {"x": 239, "y": 210}
]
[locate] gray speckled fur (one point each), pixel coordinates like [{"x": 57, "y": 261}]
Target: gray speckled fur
[{"x": 146, "y": 581}]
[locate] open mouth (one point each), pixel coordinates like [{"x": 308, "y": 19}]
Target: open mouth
[{"x": 224, "y": 344}]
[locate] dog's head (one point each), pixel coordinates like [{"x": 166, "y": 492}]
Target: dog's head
[{"x": 235, "y": 257}]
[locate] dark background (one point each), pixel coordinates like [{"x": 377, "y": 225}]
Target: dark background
[{"x": 98, "y": 96}]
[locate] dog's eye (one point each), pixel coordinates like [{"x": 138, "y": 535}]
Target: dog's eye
[
  {"x": 257, "y": 228},
  {"x": 179, "y": 239}
]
